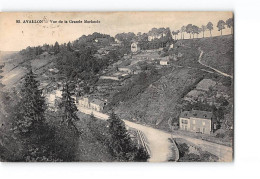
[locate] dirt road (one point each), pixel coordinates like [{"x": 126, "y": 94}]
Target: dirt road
[
  {"x": 220, "y": 72},
  {"x": 159, "y": 144}
]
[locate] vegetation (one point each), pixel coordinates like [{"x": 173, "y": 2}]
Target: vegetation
[
  {"x": 230, "y": 24},
  {"x": 37, "y": 134},
  {"x": 189, "y": 152},
  {"x": 68, "y": 108},
  {"x": 221, "y": 26},
  {"x": 135, "y": 87},
  {"x": 210, "y": 27},
  {"x": 121, "y": 145},
  {"x": 29, "y": 127}
]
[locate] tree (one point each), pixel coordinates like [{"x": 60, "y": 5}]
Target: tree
[
  {"x": 203, "y": 29},
  {"x": 56, "y": 48},
  {"x": 210, "y": 27},
  {"x": 198, "y": 32},
  {"x": 121, "y": 145},
  {"x": 1, "y": 71},
  {"x": 183, "y": 30},
  {"x": 69, "y": 48},
  {"x": 175, "y": 33},
  {"x": 189, "y": 29},
  {"x": 230, "y": 24},
  {"x": 221, "y": 25},
  {"x": 68, "y": 108},
  {"x": 29, "y": 123},
  {"x": 195, "y": 30}
]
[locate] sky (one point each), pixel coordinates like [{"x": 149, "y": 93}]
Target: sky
[{"x": 16, "y": 36}]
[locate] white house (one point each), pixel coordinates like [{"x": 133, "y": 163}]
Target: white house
[
  {"x": 164, "y": 62},
  {"x": 135, "y": 47},
  {"x": 97, "y": 104},
  {"x": 125, "y": 69},
  {"x": 84, "y": 101},
  {"x": 197, "y": 121}
]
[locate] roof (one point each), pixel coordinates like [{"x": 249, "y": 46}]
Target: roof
[
  {"x": 165, "y": 60},
  {"x": 195, "y": 93},
  {"x": 205, "y": 84},
  {"x": 196, "y": 114},
  {"x": 134, "y": 42},
  {"x": 98, "y": 102}
]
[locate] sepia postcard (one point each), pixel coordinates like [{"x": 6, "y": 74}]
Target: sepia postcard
[{"x": 116, "y": 86}]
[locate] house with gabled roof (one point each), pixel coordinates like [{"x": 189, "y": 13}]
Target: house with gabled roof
[
  {"x": 97, "y": 104},
  {"x": 197, "y": 121},
  {"x": 205, "y": 84}
]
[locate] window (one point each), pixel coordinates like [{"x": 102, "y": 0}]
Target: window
[{"x": 184, "y": 121}]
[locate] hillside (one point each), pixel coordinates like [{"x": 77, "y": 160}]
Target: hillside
[
  {"x": 16, "y": 67},
  {"x": 218, "y": 51},
  {"x": 160, "y": 99}
]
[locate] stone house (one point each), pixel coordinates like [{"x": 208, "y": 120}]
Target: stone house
[
  {"x": 97, "y": 104},
  {"x": 197, "y": 121}
]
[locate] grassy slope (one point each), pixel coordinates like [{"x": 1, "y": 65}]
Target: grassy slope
[
  {"x": 16, "y": 67},
  {"x": 218, "y": 52},
  {"x": 159, "y": 101}
]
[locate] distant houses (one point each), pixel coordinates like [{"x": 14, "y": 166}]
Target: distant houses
[
  {"x": 156, "y": 36},
  {"x": 97, "y": 105},
  {"x": 125, "y": 69},
  {"x": 164, "y": 62},
  {"x": 84, "y": 101},
  {"x": 200, "y": 93},
  {"x": 92, "y": 103},
  {"x": 135, "y": 47},
  {"x": 53, "y": 97},
  {"x": 197, "y": 121},
  {"x": 205, "y": 84},
  {"x": 53, "y": 70}
]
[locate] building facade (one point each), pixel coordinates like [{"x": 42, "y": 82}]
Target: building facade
[
  {"x": 164, "y": 62},
  {"x": 97, "y": 105},
  {"x": 84, "y": 102},
  {"x": 135, "y": 47},
  {"x": 196, "y": 121}
]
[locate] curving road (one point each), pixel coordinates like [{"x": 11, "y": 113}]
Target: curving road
[
  {"x": 159, "y": 145},
  {"x": 220, "y": 72}
]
